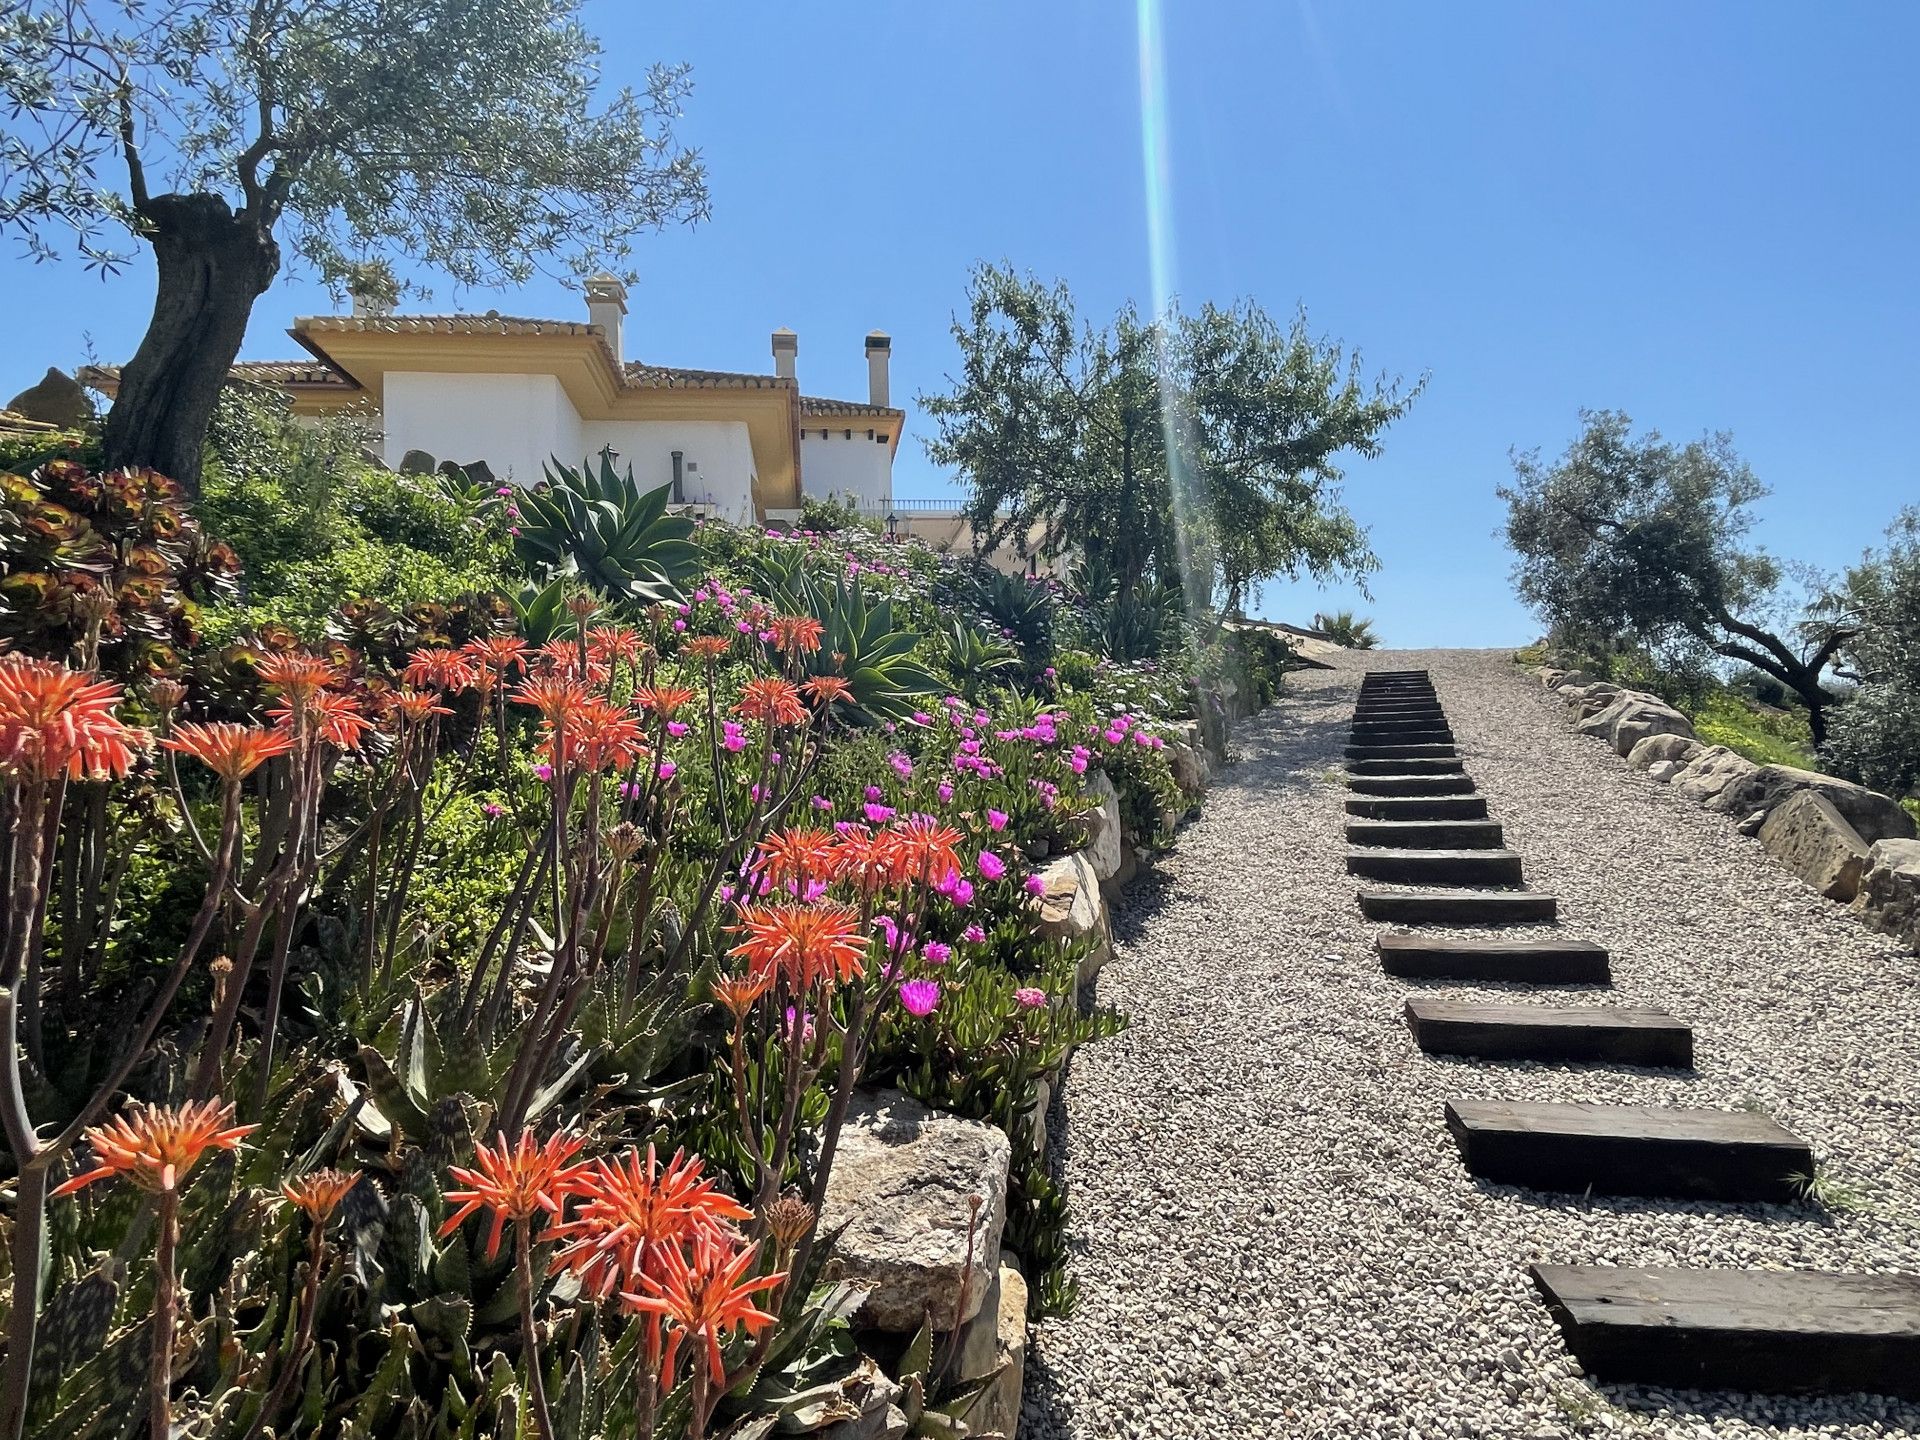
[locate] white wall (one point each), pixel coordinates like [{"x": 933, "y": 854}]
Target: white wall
[
  {"x": 513, "y": 422},
  {"x": 859, "y": 468},
  {"x": 721, "y": 450}
]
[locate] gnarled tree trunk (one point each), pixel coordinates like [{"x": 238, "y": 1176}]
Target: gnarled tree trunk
[{"x": 213, "y": 264}]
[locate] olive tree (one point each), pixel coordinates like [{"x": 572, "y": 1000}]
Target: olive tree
[
  {"x": 1198, "y": 450},
  {"x": 1875, "y": 736},
  {"x": 1637, "y": 539},
  {"x": 462, "y": 133}
]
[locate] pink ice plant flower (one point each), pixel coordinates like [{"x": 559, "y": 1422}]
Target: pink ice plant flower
[
  {"x": 877, "y": 814},
  {"x": 973, "y": 935},
  {"x": 934, "y": 953},
  {"x": 996, "y": 820},
  {"x": 992, "y": 867},
  {"x": 1030, "y": 998},
  {"x": 1035, "y": 885},
  {"x": 919, "y": 997}
]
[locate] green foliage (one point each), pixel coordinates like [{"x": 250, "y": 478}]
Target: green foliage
[
  {"x": 1634, "y": 541},
  {"x": 1762, "y": 734},
  {"x": 317, "y": 525},
  {"x": 595, "y": 523},
  {"x": 1141, "y": 624},
  {"x": 1196, "y": 450},
  {"x": 1020, "y": 607},
  {"x": 829, "y": 515},
  {"x": 975, "y": 662},
  {"x": 1876, "y": 735},
  {"x": 345, "y": 120},
  {"x": 1342, "y": 627}
]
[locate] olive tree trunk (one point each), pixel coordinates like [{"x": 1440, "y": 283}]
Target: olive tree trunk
[{"x": 213, "y": 264}]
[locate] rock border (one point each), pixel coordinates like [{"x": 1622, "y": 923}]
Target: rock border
[{"x": 1852, "y": 845}]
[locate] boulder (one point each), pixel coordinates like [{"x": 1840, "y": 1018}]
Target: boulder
[
  {"x": 1564, "y": 680},
  {"x": 1889, "y": 897},
  {"x": 58, "y": 399},
  {"x": 1071, "y": 908},
  {"x": 1630, "y": 717},
  {"x": 1589, "y": 699},
  {"x": 1813, "y": 839},
  {"x": 995, "y": 1345},
  {"x": 1705, "y": 778},
  {"x": 1874, "y": 815},
  {"x": 1663, "y": 770},
  {"x": 1189, "y": 765},
  {"x": 905, "y": 1181},
  {"x": 1671, "y": 746},
  {"x": 1102, "y": 826},
  {"x": 1549, "y": 675}
]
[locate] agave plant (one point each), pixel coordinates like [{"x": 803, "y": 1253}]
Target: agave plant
[
  {"x": 596, "y": 524},
  {"x": 1139, "y": 625},
  {"x": 860, "y": 641},
  {"x": 975, "y": 661},
  {"x": 1021, "y": 607}
]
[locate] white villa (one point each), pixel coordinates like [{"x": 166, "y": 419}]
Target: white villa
[{"x": 510, "y": 393}]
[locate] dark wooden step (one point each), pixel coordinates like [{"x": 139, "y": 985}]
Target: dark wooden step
[
  {"x": 1418, "y": 807},
  {"x": 1429, "y": 750},
  {"x": 1766, "y": 1331},
  {"x": 1426, "y": 834},
  {"x": 1466, "y": 957},
  {"x": 1407, "y": 767},
  {"x": 1398, "y": 724},
  {"x": 1436, "y": 867},
  {"x": 1405, "y": 785},
  {"x": 1459, "y": 907},
  {"x": 1400, "y": 735},
  {"x": 1605, "y": 1034},
  {"x": 1653, "y": 1150}
]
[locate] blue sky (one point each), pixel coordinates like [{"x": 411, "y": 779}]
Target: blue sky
[{"x": 1704, "y": 214}]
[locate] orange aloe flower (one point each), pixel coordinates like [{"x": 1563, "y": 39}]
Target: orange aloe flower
[
  {"x": 295, "y": 675},
  {"x": 231, "y": 751},
  {"x": 516, "y": 1181},
  {"x": 802, "y": 943},
  {"x": 608, "y": 643},
  {"x": 772, "y": 701},
  {"x": 666, "y": 701},
  {"x": 706, "y": 1298},
  {"x": 799, "y": 856},
  {"x": 555, "y": 696},
  {"x": 334, "y": 717},
  {"x": 598, "y": 736},
  {"x": 434, "y": 667},
  {"x": 736, "y": 994},
  {"x": 797, "y": 634},
  {"x": 416, "y": 707},
  {"x": 633, "y": 1213},
  {"x": 919, "y": 850},
  {"x": 824, "y": 690},
  {"x": 156, "y": 1145},
  {"x": 55, "y": 721},
  {"x": 500, "y": 654},
  {"x": 708, "y": 648},
  {"x": 562, "y": 657},
  {"x": 319, "y": 1192}
]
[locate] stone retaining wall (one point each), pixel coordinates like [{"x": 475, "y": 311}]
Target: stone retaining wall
[{"x": 1853, "y": 845}]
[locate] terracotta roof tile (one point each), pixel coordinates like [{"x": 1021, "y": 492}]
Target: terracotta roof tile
[
  {"x": 814, "y": 405},
  {"x": 259, "y": 372},
  {"x": 679, "y": 377},
  {"x": 491, "y": 323}
]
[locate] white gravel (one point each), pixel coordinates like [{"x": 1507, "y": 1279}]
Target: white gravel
[{"x": 1274, "y": 1234}]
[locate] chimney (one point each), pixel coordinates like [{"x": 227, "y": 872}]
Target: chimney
[
  {"x": 607, "y": 307},
  {"x": 786, "y": 345},
  {"x": 879, "y": 352},
  {"x": 372, "y": 288}
]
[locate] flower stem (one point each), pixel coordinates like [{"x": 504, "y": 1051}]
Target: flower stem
[
  {"x": 165, "y": 1302},
  {"x": 536, "y": 1382}
]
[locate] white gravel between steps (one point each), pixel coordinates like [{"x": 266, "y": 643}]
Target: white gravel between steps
[{"x": 1273, "y": 1232}]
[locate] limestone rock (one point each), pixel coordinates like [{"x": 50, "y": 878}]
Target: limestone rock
[
  {"x": 1569, "y": 680},
  {"x": 996, "y": 1344},
  {"x": 58, "y": 399},
  {"x": 1672, "y": 747},
  {"x": 1663, "y": 770},
  {"x": 1874, "y": 815},
  {"x": 1589, "y": 699},
  {"x": 1549, "y": 675},
  {"x": 903, "y": 1184},
  {"x": 1631, "y": 717},
  {"x": 1189, "y": 764},
  {"x": 1705, "y": 778},
  {"x": 1813, "y": 839},
  {"x": 1102, "y": 826},
  {"x": 1071, "y": 908},
  {"x": 1889, "y": 897}
]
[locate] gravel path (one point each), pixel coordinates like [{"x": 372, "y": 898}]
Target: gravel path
[{"x": 1275, "y": 1235}]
